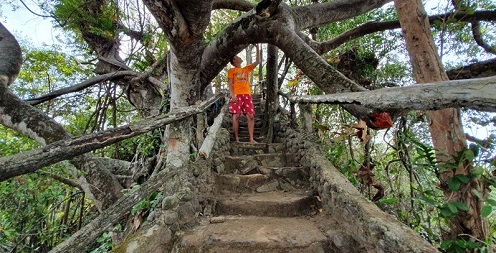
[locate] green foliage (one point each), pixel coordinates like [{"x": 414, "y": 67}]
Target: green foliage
[
  {"x": 150, "y": 203},
  {"x": 105, "y": 241},
  {"x": 76, "y": 16},
  {"x": 462, "y": 246},
  {"x": 36, "y": 212},
  {"x": 37, "y": 77},
  {"x": 12, "y": 142}
]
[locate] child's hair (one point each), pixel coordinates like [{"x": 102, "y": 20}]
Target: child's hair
[{"x": 232, "y": 59}]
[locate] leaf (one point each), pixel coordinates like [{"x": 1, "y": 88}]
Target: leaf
[
  {"x": 445, "y": 212},
  {"x": 452, "y": 20},
  {"x": 437, "y": 22},
  {"x": 390, "y": 201},
  {"x": 491, "y": 202},
  {"x": 476, "y": 172},
  {"x": 486, "y": 211},
  {"x": 454, "y": 184},
  {"x": 446, "y": 244},
  {"x": 476, "y": 193},
  {"x": 322, "y": 128},
  {"x": 461, "y": 206},
  {"x": 137, "y": 221},
  {"x": 292, "y": 83},
  {"x": 461, "y": 243},
  {"x": 381, "y": 120},
  {"x": 462, "y": 178},
  {"x": 428, "y": 200},
  {"x": 475, "y": 148},
  {"x": 469, "y": 155},
  {"x": 360, "y": 125},
  {"x": 471, "y": 245},
  {"x": 452, "y": 208}
]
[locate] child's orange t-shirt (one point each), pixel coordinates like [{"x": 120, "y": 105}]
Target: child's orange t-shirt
[{"x": 241, "y": 79}]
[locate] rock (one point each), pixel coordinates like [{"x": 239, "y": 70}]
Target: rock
[{"x": 170, "y": 202}]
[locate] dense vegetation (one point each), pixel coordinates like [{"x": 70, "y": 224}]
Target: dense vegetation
[{"x": 41, "y": 209}]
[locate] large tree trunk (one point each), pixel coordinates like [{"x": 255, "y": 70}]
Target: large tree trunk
[{"x": 445, "y": 125}]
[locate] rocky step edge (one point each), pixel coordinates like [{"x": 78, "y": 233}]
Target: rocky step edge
[
  {"x": 239, "y": 163},
  {"x": 263, "y": 179},
  {"x": 240, "y": 234},
  {"x": 246, "y": 148}
]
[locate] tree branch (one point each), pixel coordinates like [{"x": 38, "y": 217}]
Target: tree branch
[
  {"x": 35, "y": 159},
  {"x": 479, "y": 94},
  {"x": 62, "y": 180},
  {"x": 236, "y": 5},
  {"x": 373, "y": 27},
  {"x": 90, "y": 82},
  {"x": 209, "y": 141},
  {"x": 477, "y": 34},
  {"x": 478, "y": 69}
]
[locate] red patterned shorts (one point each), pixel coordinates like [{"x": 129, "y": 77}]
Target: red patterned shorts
[{"x": 244, "y": 104}]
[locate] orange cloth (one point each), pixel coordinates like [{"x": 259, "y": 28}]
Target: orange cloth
[{"x": 241, "y": 79}]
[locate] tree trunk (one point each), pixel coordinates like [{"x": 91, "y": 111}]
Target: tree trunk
[
  {"x": 445, "y": 126},
  {"x": 272, "y": 99},
  {"x": 11, "y": 57}
]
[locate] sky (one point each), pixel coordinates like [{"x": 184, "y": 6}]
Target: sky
[{"x": 23, "y": 24}]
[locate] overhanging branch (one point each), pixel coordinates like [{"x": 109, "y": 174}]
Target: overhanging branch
[
  {"x": 35, "y": 159},
  {"x": 90, "y": 82},
  {"x": 478, "y": 94},
  {"x": 373, "y": 27}
]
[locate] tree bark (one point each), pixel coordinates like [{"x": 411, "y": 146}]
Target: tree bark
[
  {"x": 209, "y": 142},
  {"x": 272, "y": 98},
  {"x": 478, "y": 94},
  {"x": 90, "y": 82},
  {"x": 475, "y": 70},
  {"x": 11, "y": 57},
  {"x": 373, "y": 27},
  {"x": 35, "y": 159},
  {"x": 445, "y": 126}
]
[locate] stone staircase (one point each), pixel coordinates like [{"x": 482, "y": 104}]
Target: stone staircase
[{"x": 261, "y": 203}]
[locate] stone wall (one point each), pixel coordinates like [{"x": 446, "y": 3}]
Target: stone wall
[{"x": 371, "y": 229}]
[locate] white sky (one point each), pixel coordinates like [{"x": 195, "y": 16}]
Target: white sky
[{"x": 23, "y": 24}]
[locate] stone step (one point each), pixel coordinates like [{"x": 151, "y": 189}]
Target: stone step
[
  {"x": 243, "y": 131},
  {"x": 245, "y": 139},
  {"x": 273, "y": 203},
  {"x": 263, "y": 180},
  {"x": 255, "y": 235},
  {"x": 245, "y": 148},
  {"x": 236, "y": 164}
]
